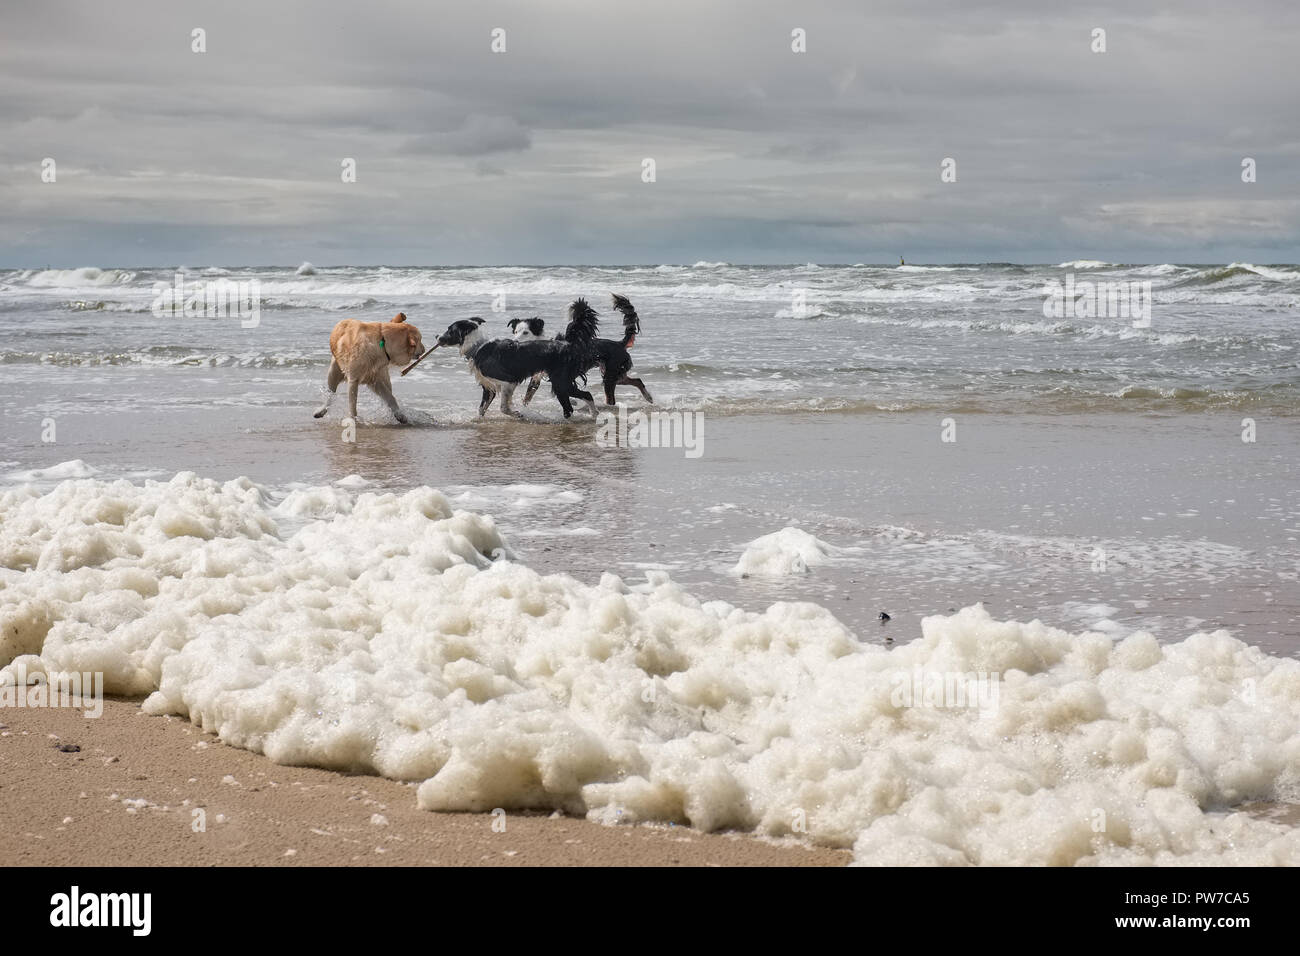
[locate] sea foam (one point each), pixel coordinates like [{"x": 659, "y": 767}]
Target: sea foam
[
  {"x": 788, "y": 551},
  {"x": 387, "y": 633}
]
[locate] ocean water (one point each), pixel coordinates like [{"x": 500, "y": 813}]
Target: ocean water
[
  {"x": 517, "y": 616},
  {"x": 735, "y": 339}
]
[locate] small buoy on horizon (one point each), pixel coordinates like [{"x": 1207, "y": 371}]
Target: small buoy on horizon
[{"x": 884, "y": 616}]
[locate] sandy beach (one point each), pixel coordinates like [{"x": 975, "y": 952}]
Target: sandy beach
[{"x": 127, "y": 796}]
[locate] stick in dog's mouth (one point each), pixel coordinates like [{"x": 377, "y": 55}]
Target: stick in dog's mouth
[{"x": 419, "y": 360}]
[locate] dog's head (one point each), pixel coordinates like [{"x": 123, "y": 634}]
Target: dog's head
[
  {"x": 402, "y": 341},
  {"x": 462, "y": 333},
  {"x": 525, "y": 329}
]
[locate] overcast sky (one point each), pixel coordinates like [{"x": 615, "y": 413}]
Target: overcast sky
[{"x": 464, "y": 156}]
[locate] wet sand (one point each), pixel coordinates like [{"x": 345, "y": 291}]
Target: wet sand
[
  {"x": 127, "y": 796},
  {"x": 1165, "y": 523}
]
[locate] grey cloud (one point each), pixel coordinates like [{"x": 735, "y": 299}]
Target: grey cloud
[
  {"x": 807, "y": 151},
  {"x": 762, "y": 154},
  {"x": 477, "y": 136}
]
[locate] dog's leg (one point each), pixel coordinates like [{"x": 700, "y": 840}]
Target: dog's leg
[
  {"x": 639, "y": 385},
  {"x": 383, "y": 387},
  {"x": 488, "y": 396},
  {"x": 532, "y": 388},
  {"x": 353, "y": 387},
  {"x": 507, "y": 394},
  {"x": 609, "y": 390},
  {"x": 332, "y": 380},
  {"x": 564, "y": 389},
  {"x": 586, "y": 397}
]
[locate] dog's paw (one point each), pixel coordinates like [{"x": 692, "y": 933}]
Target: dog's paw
[
  {"x": 319, "y": 413},
  {"x": 402, "y": 419}
]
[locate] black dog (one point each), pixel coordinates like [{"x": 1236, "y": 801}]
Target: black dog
[
  {"x": 501, "y": 364},
  {"x": 611, "y": 355}
]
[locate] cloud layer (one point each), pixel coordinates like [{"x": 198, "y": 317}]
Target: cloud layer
[{"x": 534, "y": 154}]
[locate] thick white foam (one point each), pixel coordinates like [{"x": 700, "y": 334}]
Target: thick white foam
[
  {"x": 372, "y": 632},
  {"x": 788, "y": 551}
]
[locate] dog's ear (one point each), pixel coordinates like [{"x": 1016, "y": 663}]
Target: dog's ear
[
  {"x": 512, "y": 323},
  {"x": 400, "y": 317},
  {"x": 541, "y": 324},
  {"x": 412, "y": 340}
]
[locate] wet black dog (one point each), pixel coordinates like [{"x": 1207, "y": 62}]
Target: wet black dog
[
  {"x": 611, "y": 354},
  {"x": 500, "y": 365}
]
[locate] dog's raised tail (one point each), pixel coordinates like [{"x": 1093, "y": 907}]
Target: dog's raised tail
[
  {"x": 631, "y": 324},
  {"x": 583, "y": 322}
]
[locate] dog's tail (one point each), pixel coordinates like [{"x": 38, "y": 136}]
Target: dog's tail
[
  {"x": 631, "y": 324},
  {"x": 583, "y": 323},
  {"x": 400, "y": 317}
]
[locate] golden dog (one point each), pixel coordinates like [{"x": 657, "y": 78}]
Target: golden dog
[{"x": 362, "y": 353}]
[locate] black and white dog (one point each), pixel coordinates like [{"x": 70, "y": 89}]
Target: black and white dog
[
  {"x": 610, "y": 354},
  {"x": 524, "y": 329},
  {"x": 500, "y": 365}
]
